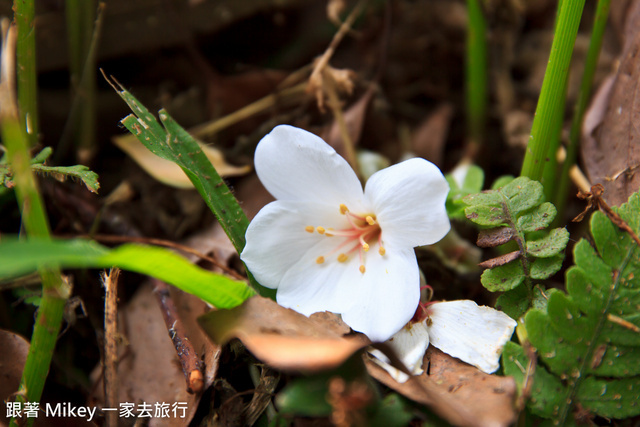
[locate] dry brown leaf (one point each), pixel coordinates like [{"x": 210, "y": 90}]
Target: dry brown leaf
[
  {"x": 612, "y": 156},
  {"x": 281, "y": 337},
  {"x": 354, "y": 119},
  {"x": 168, "y": 172},
  {"x": 148, "y": 369},
  {"x": 430, "y": 136},
  {"x": 456, "y": 391},
  {"x": 501, "y": 260},
  {"x": 12, "y": 358},
  {"x": 495, "y": 237}
]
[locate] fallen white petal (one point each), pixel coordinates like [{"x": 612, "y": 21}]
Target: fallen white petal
[
  {"x": 474, "y": 334},
  {"x": 409, "y": 344}
]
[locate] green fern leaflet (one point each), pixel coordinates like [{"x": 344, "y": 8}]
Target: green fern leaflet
[{"x": 588, "y": 339}]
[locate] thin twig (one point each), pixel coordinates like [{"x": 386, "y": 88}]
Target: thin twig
[
  {"x": 191, "y": 364},
  {"x": 596, "y": 201},
  {"x": 110, "y": 282},
  {"x": 323, "y": 61}
]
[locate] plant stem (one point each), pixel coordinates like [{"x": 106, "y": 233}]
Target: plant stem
[
  {"x": 55, "y": 291},
  {"x": 26, "y": 66},
  {"x": 591, "y": 62},
  {"x": 476, "y": 77},
  {"x": 540, "y": 158}
]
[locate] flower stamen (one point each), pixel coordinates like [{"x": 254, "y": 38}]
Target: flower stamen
[
  {"x": 309, "y": 229},
  {"x": 363, "y": 230}
]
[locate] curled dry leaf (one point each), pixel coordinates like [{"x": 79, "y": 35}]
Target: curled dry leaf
[
  {"x": 12, "y": 358},
  {"x": 456, "y": 391},
  {"x": 283, "y": 338},
  {"x": 168, "y": 172},
  {"x": 612, "y": 154}
]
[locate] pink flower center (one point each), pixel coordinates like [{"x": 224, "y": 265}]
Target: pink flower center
[{"x": 363, "y": 232}]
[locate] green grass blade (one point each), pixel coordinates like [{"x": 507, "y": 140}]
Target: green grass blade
[
  {"x": 175, "y": 144},
  {"x": 21, "y": 258},
  {"x": 540, "y": 158},
  {"x": 590, "y": 66},
  {"x": 476, "y": 75}
]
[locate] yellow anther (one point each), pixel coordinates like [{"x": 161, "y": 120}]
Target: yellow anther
[
  {"x": 362, "y": 269},
  {"x": 370, "y": 220},
  {"x": 320, "y": 260},
  {"x": 342, "y": 257},
  {"x": 309, "y": 228},
  {"x": 365, "y": 247},
  {"x": 382, "y": 251},
  {"x": 320, "y": 230},
  {"x": 343, "y": 209}
]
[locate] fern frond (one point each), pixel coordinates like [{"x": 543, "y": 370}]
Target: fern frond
[
  {"x": 513, "y": 213},
  {"x": 588, "y": 339}
]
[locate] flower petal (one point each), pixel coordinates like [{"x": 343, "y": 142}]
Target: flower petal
[
  {"x": 409, "y": 343},
  {"x": 386, "y": 296},
  {"x": 276, "y": 238},
  {"x": 308, "y": 287},
  {"x": 474, "y": 334},
  {"x": 409, "y": 201},
  {"x": 294, "y": 164}
]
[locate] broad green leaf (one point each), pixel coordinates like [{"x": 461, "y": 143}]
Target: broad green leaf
[
  {"x": 551, "y": 245},
  {"x": 504, "y": 277},
  {"x": 25, "y": 257},
  {"x": 538, "y": 218}
]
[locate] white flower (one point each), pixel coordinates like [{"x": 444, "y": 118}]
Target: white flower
[
  {"x": 327, "y": 245},
  {"x": 474, "y": 334}
]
